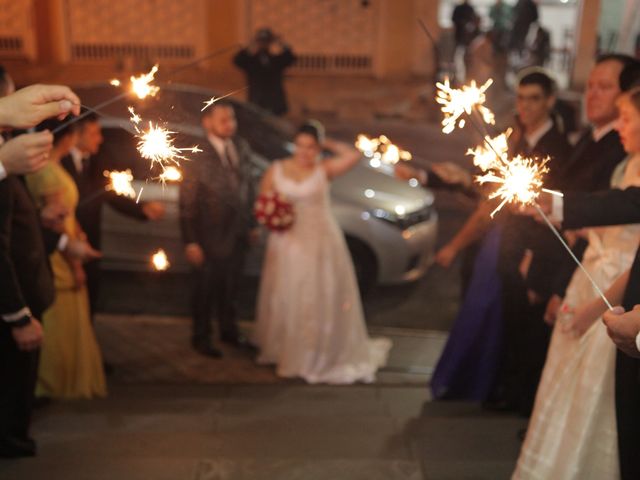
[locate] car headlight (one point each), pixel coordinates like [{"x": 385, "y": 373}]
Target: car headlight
[{"x": 399, "y": 218}]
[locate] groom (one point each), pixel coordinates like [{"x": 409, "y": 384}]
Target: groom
[{"x": 215, "y": 216}]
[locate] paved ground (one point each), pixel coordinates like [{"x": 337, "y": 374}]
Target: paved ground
[{"x": 174, "y": 415}]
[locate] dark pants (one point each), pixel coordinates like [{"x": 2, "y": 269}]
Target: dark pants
[
  {"x": 628, "y": 415},
  {"x": 18, "y": 374},
  {"x": 216, "y": 290}
]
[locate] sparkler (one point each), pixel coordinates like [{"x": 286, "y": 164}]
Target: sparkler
[
  {"x": 141, "y": 85},
  {"x": 160, "y": 261},
  {"x": 458, "y": 101},
  {"x": 120, "y": 183},
  {"x": 170, "y": 174},
  {"x": 156, "y": 144},
  {"x": 520, "y": 181},
  {"x": 215, "y": 99},
  {"x": 381, "y": 150}
]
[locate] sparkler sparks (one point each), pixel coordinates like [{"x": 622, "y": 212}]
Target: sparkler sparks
[
  {"x": 457, "y": 101},
  {"x": 170, "y": 174},
  {"x": 121, "y": 183},
  {"x": 157, "y": 144},
  {"x": 520, "y": 180},
  {"x": 141, "y": 85},
  {"x": 381, "y": 150},
  {"x": 115, "y": 82},
  {"x": 215, "y": 99},
  {"x": 492, "y": 153},
  {"x": 160, "y": 261}
]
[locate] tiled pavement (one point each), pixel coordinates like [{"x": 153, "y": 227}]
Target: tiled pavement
[{"x": 182, "y": 417}]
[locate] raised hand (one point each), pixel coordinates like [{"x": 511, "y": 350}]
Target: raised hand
[{"x": 31, "y": 105}]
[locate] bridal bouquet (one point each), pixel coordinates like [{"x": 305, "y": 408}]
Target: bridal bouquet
[{"x": 274, "y": 212}]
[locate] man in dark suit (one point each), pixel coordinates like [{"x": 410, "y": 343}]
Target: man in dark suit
[
  {"x": 215, "y": 203},
  {"x": 614, "y": 207},
  {"x": 537, "y": 135},
  {"x": 264, "y": 62},
  {"x": 86, "y": 166},
  {"x": 25, "y": 280},
  {"x": 595, "y": 156}
]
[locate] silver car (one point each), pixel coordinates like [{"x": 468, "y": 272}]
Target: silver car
[{"x": 390, "y": 226}]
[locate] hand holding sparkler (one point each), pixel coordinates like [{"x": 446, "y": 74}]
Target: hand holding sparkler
[{"x": 31, "y": 105}]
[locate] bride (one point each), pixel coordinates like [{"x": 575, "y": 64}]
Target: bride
[
  {"x": 310, "y": 321},
  {"x": 572, "y": 433}
]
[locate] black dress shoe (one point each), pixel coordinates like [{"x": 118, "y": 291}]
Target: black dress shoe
[
  {"x": 208, "y": 351},
  {"x": 12, "y": 447},
  {"x": 238, "y": 341}
]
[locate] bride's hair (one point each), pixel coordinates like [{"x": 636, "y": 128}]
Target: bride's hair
[{"x": 313, "y": 128}]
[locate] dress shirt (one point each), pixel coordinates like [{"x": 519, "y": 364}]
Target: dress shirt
[
  {"x": 532, "y": 139},
  {"x": 599, "y": 133},
  {"x": 78, "y": 158},
  {"x": 222, "y": 146}
]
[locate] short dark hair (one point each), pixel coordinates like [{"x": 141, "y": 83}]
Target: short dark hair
[
  {"x": 88, "y": 116},
  {"x": 52, "y": 123},
  {"x": 5, "y": 80},
  {"x": 623, "y": 59},
  {"x": 215, "y": 105},
  {"x": 546, "y": 83}
]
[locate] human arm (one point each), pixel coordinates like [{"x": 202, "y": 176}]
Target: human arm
[
  {"x": 586, "y": 314},
  {"x": 473, "y": 229},
  {"x": 344, "y": 158}
]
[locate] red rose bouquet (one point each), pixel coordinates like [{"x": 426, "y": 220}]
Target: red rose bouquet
[{"x": 274, "y": 212}]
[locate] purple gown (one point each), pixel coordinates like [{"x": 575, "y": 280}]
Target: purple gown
[{"x": 467, "y": 367}]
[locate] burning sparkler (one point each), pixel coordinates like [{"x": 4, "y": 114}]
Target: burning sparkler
[
  {"x": 120, "y": 183},
  {"x": 156, "y": 144},
  {"x": 457, "y": 101},
  {"x": 520, "y": 180},
  {"x": 381, "y": 150},
  {"x": 215, "y": 99},
  {"x": 493, "y": 152},
  {"x": 160, "y": 261},
  {"x": 170, "y": 174},
  {"x": 141, "y": 85}
]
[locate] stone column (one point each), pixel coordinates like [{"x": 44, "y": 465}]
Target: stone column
[
  {"x": 52, "y": 32},
  {"x": 586, "y": 41}
]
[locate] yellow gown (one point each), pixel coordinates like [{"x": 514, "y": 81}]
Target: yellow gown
[{"x": 70, "y": 359}]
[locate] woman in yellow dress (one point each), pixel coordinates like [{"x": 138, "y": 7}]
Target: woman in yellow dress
[{"x": 70, "y": 359}]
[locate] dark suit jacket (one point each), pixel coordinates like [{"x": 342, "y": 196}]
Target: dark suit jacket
[
  {"x": 589, "y": 169},
  {"x": 612, "y": 207},
  {"x": 265, "y": 75},
  {"x": 25, "y": 276},
  {"x": 215, "y": 204},
  {"x": 520, "y": 233},
  {"x": 91, "y": 184}
]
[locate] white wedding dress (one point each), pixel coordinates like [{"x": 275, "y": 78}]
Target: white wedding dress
[
  {"x": 310, "y": 321},
  {"x": 572, "y": 433}
]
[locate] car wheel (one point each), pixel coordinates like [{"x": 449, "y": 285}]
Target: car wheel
[{"x": 364, "y": 264}]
